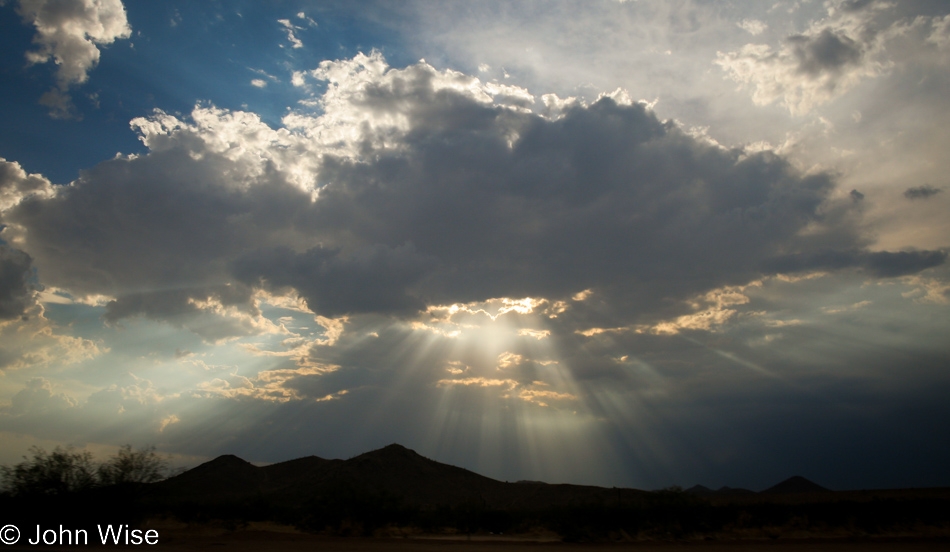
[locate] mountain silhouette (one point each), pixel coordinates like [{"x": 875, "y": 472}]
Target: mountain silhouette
[
  {"x": 394, "y": 491},
  {"x": 397, "y": 477},
  {"x": 392, "y": 473},
  {"x": 796, "y": 484},
  {"x": 706, "y": 491}
]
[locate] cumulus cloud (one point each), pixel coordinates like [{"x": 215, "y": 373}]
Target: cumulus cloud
[
  {"x": 752, "y": 26},
  {"x": 216, "y": 313},
  {"x": 164, "y": 220},
  {"x": 816, "y": 66},
  {"x": 16, "y": 185},
  {"x": 417, "y": 187},
  {"x": 38, "y": 396},
  {"x": 17, "y": 287},
  {"x": 31, "y": 341},
  {"x": 373, "y": 279},
  {"x": 921, "y": 192},
  {"x": 69, "y": 33}
]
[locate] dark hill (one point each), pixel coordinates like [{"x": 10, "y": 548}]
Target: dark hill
[
  {"x": 400, "y": 472},
  {"x": 226, "y": 477},
  {"x": 391, "y": 475},
  {"x": 795, "y": 485},
  {"x": 394, "y": 489},
  {"x": 734, "y": 491},
  {"x": 700, "y": 490}
]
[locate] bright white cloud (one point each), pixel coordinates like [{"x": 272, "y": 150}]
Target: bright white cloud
[
  {"x": 752, "y": 26},
  {"x": 70, "y": 33},
  {"x": 289, "y": 28},
  {"x": 16, "y": 185}
]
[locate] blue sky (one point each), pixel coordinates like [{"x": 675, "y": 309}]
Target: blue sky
[
  {"x": 179, "y": 53},
  {"x": 618, "y": 243}
]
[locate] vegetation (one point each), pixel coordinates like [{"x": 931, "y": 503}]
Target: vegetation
[
  {"x": 62, "y": 471},
  {"x": 351, "y": 499},
  {"x": 67, "y": 470},
  {"x": 68, "y": 485},
  {"x": 129, "y": 466}
]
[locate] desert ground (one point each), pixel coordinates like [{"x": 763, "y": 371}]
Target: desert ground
[{"x": 241, "y": 541}]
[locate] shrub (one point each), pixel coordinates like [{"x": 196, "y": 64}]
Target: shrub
[{"x": 66, "y": 471}]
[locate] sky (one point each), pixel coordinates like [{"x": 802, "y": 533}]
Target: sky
[{"x": 639, "y": 244}]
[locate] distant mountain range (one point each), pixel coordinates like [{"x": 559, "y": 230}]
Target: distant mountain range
[
  {"x": 792, "y": 485},
  {"x": 393, "y": 472},
  {"x": 401, "y": 475}
]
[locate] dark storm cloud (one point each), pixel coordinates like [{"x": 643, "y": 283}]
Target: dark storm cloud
[
  {"x": 157, "y": 232},
  {"x": 828, "y": 51},
  {"x": 464, "y": 200},
  {"x": 606, "y": 197},
  {"x": 17, "y": 283},
  {"x": 883, "y": 264},
  {"x": 167, "y": 305},
  {"x": 373, "y": 279},
  {"x": 156, "y": 221},
  {"x": 183, "y": 308},
  {"x": 855, "y": 5},
  {"x": 922, "y": 192}
]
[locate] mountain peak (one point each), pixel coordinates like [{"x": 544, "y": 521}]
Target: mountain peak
[
  {"x": 796, "y": 484},
  {"x": 394, "y": 450},
  {"x": 228, "y": 459}
]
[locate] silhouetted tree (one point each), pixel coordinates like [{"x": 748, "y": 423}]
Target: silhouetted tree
[
  {"x": 65, "y": 470},
  {"x": 131, "y": 466}
]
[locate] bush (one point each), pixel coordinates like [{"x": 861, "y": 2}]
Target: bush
[
  {"x": 67, "y": 471},
  {"x": 130, "y": 466}
]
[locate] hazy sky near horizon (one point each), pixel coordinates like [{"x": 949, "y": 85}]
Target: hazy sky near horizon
[{"x": 635, "y": 243}]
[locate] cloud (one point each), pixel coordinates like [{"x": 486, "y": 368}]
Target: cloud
[
  {"x": 155, "y": 229},
  {"x": 827, "y": 52},
  {"x": 416, "y": 187},
  {"x": 69, "y": 32},
  {"x": 883, "y": 264},
  {"x": 17, "y": 283},
  {"x": 816, "y": 66},
  {"x": 309, "y": 20},
  {"x": 752, "y": 26},
  {"x": 373, "y": 279},
  {"x": 16, "y": 185},
  {"x": 216, "y": 313},
  {"x": 921, "y": 192},
  {"x": 291, "y": 37},
  {"x": 38, "y": 396},
  {"x": 31, "y": 341}
]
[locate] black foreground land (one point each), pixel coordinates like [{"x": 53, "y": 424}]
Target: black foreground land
[{"x": 396, "y": 498}]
